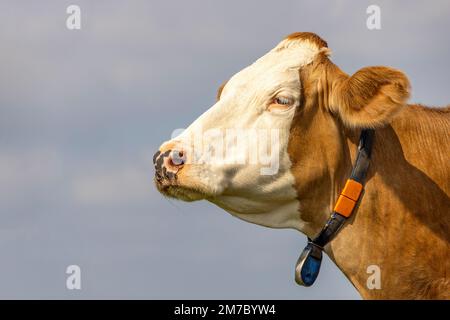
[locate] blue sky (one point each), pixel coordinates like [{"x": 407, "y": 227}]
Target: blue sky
[{"x": 81, "y": 113}]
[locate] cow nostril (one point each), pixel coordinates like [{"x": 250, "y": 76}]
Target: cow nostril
[{"x": 177, "y": 158}]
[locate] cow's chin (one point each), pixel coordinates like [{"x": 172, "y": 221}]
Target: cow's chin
[{"x": 180, "y": 192}]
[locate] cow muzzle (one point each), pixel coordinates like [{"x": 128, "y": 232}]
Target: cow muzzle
[{"x": 171, "y": 167}]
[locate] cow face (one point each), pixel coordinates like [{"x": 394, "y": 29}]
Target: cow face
[{"x": 244, "y": 153}]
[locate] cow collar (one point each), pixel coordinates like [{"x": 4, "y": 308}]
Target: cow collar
[{"x": 308, "y": 264}]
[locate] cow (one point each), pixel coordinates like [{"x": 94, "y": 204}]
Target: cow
[{"x": 315, "y": 114}]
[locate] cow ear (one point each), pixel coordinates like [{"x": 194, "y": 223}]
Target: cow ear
[{"x": 370, "y": 97}]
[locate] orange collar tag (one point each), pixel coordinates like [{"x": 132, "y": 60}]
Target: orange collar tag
[{"x": 348, "y": 198}]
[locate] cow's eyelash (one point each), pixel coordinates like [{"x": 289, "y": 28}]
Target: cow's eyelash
[{"x": 282, "y": 100}]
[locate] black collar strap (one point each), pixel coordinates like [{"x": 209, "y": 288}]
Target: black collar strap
[{"x": 308, "y": 264}]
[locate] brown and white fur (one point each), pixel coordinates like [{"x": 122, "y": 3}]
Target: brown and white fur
[{"x": 403, "y": 222}]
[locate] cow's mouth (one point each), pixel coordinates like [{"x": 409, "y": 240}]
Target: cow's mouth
[{"x": 179, "y": 192}]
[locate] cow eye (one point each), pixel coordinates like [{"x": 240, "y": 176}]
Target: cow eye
[
  {"x": 282, "y": 100},
  {"x": 280, "y": 104}
]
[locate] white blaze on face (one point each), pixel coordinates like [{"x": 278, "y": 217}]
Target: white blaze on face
[{"x": 237, "y": 150}]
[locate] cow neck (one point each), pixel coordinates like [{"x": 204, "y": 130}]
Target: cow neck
[{"x": 308, "y": 264}]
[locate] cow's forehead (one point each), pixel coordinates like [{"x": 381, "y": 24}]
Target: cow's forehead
[{"x": 287, "y": 57}]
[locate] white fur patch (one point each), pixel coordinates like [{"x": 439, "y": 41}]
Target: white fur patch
[{"x": 241, "y": 189}]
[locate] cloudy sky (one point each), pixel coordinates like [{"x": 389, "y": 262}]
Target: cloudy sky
[{"x": 82, "y": 111}]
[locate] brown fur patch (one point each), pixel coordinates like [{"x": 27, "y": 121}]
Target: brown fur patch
[
  {"x": 308, "y": 36},
  {"x": 402, "y": 222}
]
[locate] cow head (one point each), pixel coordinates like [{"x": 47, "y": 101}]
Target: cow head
[{"x": 272, "y": 150}]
